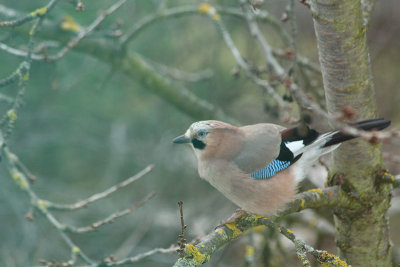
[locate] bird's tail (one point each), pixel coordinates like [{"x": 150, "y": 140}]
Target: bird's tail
[
  {"x": 328, "y": 142},
  {"x": 367, "y": 125}
]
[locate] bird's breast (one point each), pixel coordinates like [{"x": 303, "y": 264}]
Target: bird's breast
[{"x": 263, "y": 197}]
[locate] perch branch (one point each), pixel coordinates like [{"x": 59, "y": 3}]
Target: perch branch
[
  {"x": 200, "y": 253},
  {"x": 328, "y": 197}
]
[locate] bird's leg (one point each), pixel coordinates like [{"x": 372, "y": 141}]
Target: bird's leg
[{"x": 236, "y": 215}]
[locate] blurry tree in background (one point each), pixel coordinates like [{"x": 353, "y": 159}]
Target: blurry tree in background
[{"x": 95, "y": 90}]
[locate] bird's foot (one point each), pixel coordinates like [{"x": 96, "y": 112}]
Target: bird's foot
[{"x": 236, "y": 215}]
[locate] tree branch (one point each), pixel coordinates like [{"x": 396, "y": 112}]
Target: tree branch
[
  {"x": 135, "y": 67},
  {"x": 104, "y": 194},
  {"x": 196, "y": 10},
  {"x": 44, "y": 206},
  {"x": 315, "y": 198},
  {"x": 75, "y": 41},
  {"x": 241, "y": 62},
  {"x": 110, "y": 219},
  {"x": 141, "y": 256},
  {"x": 22, "y": 181},
  {"x": 200, "y": 253}
]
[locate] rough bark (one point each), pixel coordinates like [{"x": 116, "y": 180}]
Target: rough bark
[{"x": 362, "y": 230}]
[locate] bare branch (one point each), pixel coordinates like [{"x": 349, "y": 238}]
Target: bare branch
[
  {"x": 74, "y": 41},
  {"x": 236, "y": 54},
  {"x": 177, "y": 74},
  {"x": 255, "y": 31},
  {"x": 22, "y": 181},
  {"x": 44, "y": 206},
  {"x": 38, "y": 13},
  {"x": 141, "y": 256},
  {"x": 372, "y": 136},
  {"x": 302, "y": 61},
  {"x": 104, "y": 194},
  {"x": 18, "y": 74},
  {"x": 195, "y": 10},
  {"x": 110, "y": 219},
  {"x": 313, "y": 220}
]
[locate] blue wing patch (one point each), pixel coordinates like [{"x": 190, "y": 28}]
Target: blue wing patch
[{"x": 269, "y": 171}]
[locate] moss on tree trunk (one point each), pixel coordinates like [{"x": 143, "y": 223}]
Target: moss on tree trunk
[{"x": 362, "y": 231}]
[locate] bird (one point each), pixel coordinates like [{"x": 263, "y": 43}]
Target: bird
[{"x": 258, "y": 167}]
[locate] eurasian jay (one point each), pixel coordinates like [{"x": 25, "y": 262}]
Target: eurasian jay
[{"x": 259, "y": 166}]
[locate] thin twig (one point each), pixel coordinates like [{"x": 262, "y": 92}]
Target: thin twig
[
  {"x": 43, "y": 206},
  {"x": 104, "y": 194},
  {"x": 141, "y": 256},
  {"x": 192, "y": 10},
  {"x": 372, "y": 136},
  {"x": 74, "y": 41},
  {"x": 236, "y": 54},
  {"x": 302, "y": 61},
  {"x": 40, "y": 12},
  {"x": 305, "y": 103},
  {"x": 256, "y": 32},
  {"x": 180, "y": 75},
  {"x": 20, "y": 72},
  {"x": 181, "y": 237},
  {"x": 22, "y": 181},
  {"x": 94, "y": 226}
]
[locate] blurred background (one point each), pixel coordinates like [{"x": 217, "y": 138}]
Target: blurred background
[{"x": 84, "y": 127}]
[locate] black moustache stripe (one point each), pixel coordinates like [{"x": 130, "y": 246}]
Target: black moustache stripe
[{"x": 198, "y": 144}]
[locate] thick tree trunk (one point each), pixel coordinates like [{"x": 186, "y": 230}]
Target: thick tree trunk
[{"x": 362, "y": 231}]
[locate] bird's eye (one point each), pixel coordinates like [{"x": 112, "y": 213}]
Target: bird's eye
[{"x": 202, "y": 134}]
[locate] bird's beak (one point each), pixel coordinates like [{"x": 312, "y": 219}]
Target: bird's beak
[{"x": 182, "y": 139}]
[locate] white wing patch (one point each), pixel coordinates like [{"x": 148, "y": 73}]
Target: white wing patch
[{"x": 295, "y": 146}]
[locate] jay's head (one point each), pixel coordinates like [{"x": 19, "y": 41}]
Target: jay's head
[{"x": 209, "y": 138}]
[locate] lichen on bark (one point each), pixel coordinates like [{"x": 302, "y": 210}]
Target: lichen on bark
[{"x": 362, "y": 230}]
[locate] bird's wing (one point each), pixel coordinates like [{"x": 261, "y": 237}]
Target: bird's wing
[
  {"x": 261, "y": 145},
  {"x": 271, "y": 148}
]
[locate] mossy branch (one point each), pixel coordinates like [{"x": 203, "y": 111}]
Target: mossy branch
[{"x": 201, "y": 252}]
